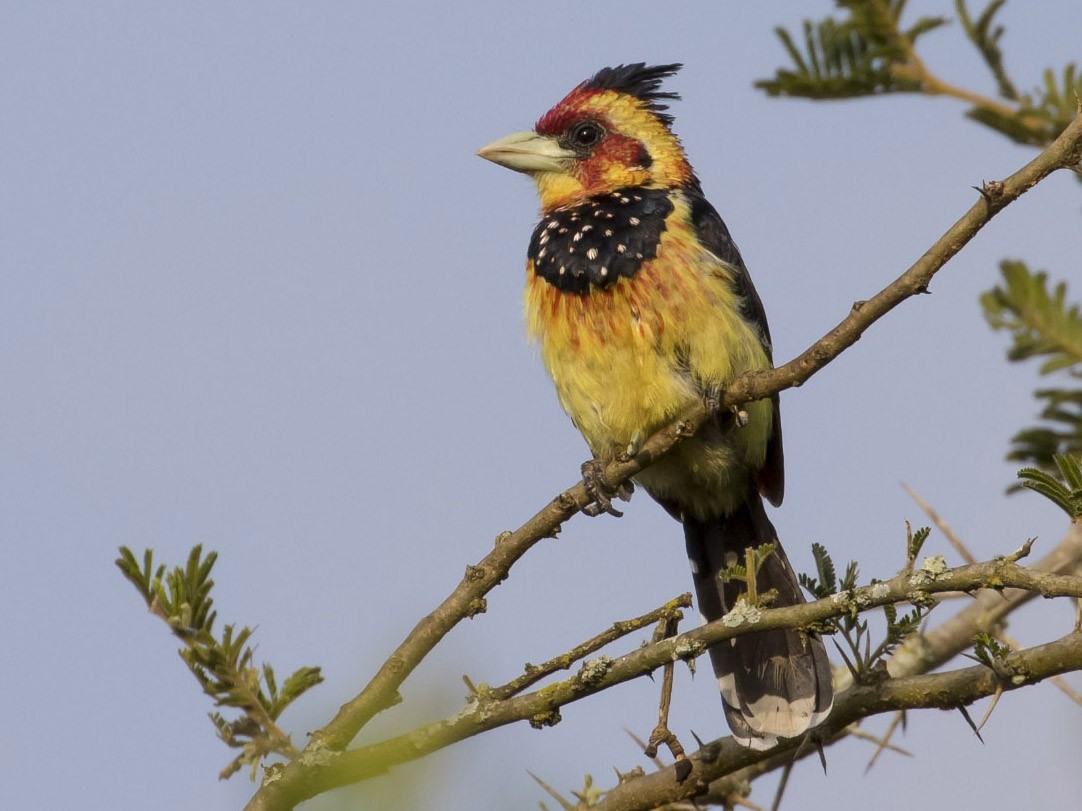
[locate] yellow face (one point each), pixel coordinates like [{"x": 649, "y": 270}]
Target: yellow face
[{"x": 591, "y": 143}]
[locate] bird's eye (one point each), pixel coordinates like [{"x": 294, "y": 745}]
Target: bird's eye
[{"x": 586, "y": 134}]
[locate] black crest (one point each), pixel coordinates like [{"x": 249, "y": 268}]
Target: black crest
[
  {"x": 641, "y": 82},
  {"x": 600, "y": 241}
]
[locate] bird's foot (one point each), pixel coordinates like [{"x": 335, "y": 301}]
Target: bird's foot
[
  {"x": 600, "y": 491},
  {"x": 740, "y": 416}
]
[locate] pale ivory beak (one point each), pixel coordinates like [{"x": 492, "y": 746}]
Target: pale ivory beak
[{"x": 528, "y": 152}]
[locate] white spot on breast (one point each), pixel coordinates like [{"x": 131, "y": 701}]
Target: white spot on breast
[
  {"x": 608, "y": 232},
  {"x": 604, "y": 271},
  {"x": 592, "y": 253},
  {"x": 634, "y": 220},
  {"x": 586, "y": 228},
  {"x": 563, "y": 270},
  {"x": 552, "y": 224},
  {"x": 577, "y": 237},
  {"x": 541, "y": 252},
  {"x": 621, "y": 248}
]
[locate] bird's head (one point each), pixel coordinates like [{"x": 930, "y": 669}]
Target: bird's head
[{"x": 610, "y": 132}]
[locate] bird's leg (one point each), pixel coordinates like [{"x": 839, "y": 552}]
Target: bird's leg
[
  {"x": 662, "y": 735},
  {"x": 712, "y": 398},
  {"x": 633, "y": 447},
  {"x": 600, "y": 491}
]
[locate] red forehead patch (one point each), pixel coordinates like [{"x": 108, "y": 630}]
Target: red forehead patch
[{"x": 565, "y": 113}]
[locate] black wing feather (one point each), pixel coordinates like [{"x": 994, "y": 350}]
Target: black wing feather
[{"x": 715, "y": 237}]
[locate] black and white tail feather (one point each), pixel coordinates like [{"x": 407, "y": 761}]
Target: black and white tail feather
[{"x": 774, "y": 684}]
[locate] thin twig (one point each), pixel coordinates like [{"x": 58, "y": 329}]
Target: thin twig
[
  {"x": 883, "y": 743},
  {"x": 480, "y": 715},
  {"x": 534, "y": 673},
  {"x": 662, "y": 735},
  {"x": 294, "y": 781},
  {"x": 940, "y": 524}
]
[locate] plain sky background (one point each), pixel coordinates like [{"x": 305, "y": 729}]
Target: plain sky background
[{"x": 257, "y": 292}]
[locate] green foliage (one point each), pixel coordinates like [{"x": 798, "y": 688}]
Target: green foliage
[
  {"x": 1044, "y": 325},
  {"x": 864, "y": 662},
  {"x": 1041, "y": 115},
  {"x": 223, "y": 666},
  {"x": 740, "y": 572},
  {"x": 858, "y": 54},
  {"x": 1066, "y": 494},
  {"x": 914, "y": 543},
  {"x": 861, "y": 54},
  {"x": 866, "y": 50},
  {"x": 989, "y": 651},
  {"x": 985, "y": 36}
]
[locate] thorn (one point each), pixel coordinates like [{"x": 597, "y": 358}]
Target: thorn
[
  {"x": 1022, "y": 551},
  {"x": 988, "y": 714},
  {"x": 564, "y": 804},
  {"x": 822, "y": 753},
  {"x": 709, "y": 751},
  {"x": 969, "y": 720}
]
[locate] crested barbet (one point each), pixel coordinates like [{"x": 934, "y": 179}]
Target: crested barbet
[{"x": 642, "y": 306}]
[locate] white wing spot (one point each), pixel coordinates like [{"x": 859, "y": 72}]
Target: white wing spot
[
  {"x": 563, "y": 270},
  {"x": 552, "y": 224},
  {"x": 577, "y": 237},
  {"x": 592, "y": 253},
  {"x": 604, "y": 271},
  {"x": 562, "y": 231},
  {"x": 634, "y": 220},
  {"x": 619, "y": 248},
  {"x": 586, "y": 228},
  {"x": 608, "y": 232}
]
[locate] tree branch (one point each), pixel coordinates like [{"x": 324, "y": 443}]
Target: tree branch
[
  {"x": 286, "y": 785},
  {"x": 950, "y": 690},
  {"x": 541, "y": 706}
]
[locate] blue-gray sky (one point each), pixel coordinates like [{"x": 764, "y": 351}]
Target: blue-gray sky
[{"x": 258, "y": 293}]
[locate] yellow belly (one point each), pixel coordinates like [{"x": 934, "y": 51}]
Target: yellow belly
[{"x": 627, "y": 359}]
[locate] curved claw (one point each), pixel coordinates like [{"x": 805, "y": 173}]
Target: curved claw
[{"x": 601, "y": 492}]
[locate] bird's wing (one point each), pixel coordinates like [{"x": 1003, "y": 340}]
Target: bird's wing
[{"x": 714, "y": 236}]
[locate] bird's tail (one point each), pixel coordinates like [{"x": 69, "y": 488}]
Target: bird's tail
[{"x": 774, "y": 684}]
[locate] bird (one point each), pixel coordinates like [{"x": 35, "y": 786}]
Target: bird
[{"x": 642, "y": 306}]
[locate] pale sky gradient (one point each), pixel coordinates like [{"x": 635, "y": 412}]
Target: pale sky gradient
[{"x": 257, "y": 292}]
